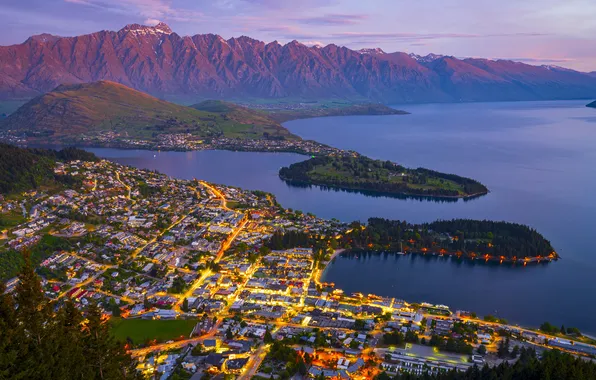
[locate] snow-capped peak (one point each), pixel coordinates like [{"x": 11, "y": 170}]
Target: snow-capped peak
[
  {"x": 426, "y": 58},
  {"x": 160, "y": 28},
  {"x": 556, "y": 68},
  {"x": 375, "y": 51}
]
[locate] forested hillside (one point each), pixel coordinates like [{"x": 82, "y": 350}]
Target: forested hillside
[{"x": 23, "y": 169}]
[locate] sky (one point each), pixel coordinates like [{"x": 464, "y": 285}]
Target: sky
[{"x": 555, "y": 32}]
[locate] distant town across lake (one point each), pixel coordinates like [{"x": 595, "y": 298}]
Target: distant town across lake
[{"x": 537, "y": 159}]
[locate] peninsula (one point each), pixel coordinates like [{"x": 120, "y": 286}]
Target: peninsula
[
  {"x": 482, "y": 240},
  {"x": 592, "y": 105},
  {"x": 307, "y": 112},
  {"x": 360, "y": 173}
]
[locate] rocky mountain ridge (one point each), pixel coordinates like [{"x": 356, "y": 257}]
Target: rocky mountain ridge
[{"x": 188, "y": 69}]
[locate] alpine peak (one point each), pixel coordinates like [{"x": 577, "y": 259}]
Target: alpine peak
[
  {"x": 375, "y": 51},
  {"x": 160, "y": 28}
]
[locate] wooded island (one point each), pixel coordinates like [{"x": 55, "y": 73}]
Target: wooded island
[{"x": 356, "y": 172}]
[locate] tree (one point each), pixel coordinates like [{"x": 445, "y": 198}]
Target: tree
[
  {"x": 482, "y": 349},
  {"x": 264, "y": 250},
  {"x": 103, "y": 355},
  {"x": 197, "y": 350},
  {"x": 229, "y": 334},
  {"x": 503, "y": 348},
  {"x": 411, "y": 337},
  {"x": 268, "y": 338},
  {"x": 42, "y": 340},
  {"x": 67, "y": 346},
  {"x": 302, "y": 367},
  {"x": 515, "y": 351},
  {"x": 185, "y": 305},
  {"x": 8, "y": 324},
  {"x": 35, "y": 330}
]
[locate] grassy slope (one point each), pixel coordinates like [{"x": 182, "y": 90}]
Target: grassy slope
[
  {"x": 141, "y": 330},
  {"x": 238, "y": 121},
  {"x": 67, "y": 112},
  {"x": 334, "y": 110}
]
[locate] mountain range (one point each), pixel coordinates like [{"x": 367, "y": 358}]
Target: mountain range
[{"x": 187, "y": 69}]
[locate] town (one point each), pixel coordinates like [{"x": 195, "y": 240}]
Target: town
[
  {"x": 189, "y": 142},
  {"x": 186, "y": 273}
]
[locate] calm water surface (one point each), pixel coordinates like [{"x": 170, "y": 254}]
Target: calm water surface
[{"x": 537, "y": 158}]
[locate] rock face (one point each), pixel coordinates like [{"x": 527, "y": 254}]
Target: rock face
[{"x": 157, "y": 61}]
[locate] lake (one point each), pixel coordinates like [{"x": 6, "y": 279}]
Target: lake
[{"x": 537, "y": 158}]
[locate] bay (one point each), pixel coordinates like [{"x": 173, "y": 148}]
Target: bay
[{"x": 537, "y": 158}]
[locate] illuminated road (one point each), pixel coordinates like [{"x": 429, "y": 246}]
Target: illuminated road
[
  {"x": 128, "y": 188},
  {"x": 218, "y": 194},
  {"x": 254, "y": 363}
]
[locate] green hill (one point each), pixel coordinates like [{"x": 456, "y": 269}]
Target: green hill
[
  {"x": 238, "y": 121},
  {"x": 592, "y": 105},
  {"x": 83, "y": 112}
]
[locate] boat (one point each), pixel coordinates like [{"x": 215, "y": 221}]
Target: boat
[{"x": 400, "y": 249}]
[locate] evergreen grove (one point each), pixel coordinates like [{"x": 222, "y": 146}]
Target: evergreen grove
[{"x": 40, "y": 339}]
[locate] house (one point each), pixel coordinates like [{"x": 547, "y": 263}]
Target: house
[
  {"x": 485, "y": 338},
  {"x": 356, "y": 366},
  {"x": 236, "y": 365},
  {"x": 214, "y": 360},
  {"x": 165, "y": 314}
]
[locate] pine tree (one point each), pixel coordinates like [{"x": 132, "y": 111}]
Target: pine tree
[
  {"x": 67, "y": 342},
  {"x": 268, "y": 338},
  {"x": 35, "y": 330},
  {"x": 39, "y": 340},
  {"x": 105, "y": 358},
  {"x": 8, "y": 351}
]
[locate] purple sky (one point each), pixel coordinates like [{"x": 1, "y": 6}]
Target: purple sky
[{"x": 559, "y": 32}]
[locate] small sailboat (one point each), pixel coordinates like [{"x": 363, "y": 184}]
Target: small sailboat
[{"x": 401, "y": 251}]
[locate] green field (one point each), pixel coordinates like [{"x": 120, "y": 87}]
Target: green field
[
  {"x": 11, "y": 219},
  {"x": 143, "y": 330}
]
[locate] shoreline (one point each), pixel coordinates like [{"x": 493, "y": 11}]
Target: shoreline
[
  {"x": 384, "y": 193},
  {"x": 481, "y": 259},
  {"x": 302, "y": 152}
]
